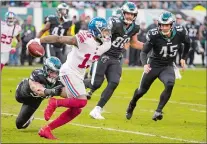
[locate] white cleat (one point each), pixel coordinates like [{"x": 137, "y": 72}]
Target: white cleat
[{"x": 96, "y": 113}]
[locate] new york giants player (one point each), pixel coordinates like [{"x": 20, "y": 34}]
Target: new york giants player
[
  {"x": 8, "y": 30},
  {"x": 90, "y": 45}
]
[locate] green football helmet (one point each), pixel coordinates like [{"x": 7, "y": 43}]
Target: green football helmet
[
  {"x": 52, "y": 65},
  {"x": 129, "y": 7},
  {"x": 62, "y": 11},
  {"x": 164, "y": 19}
]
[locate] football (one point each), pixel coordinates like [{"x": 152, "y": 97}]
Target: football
[{"x": 36, "y": 50}]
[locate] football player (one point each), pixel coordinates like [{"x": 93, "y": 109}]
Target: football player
[
  {"x": 57, "y": 25},
  {"x": 124, "y": 33},
  {"x": 165, "y": 40},
  {"x": 42, "y": 83},
  {"x": 9, "y": 30},
  {"x": 90, "y": 45},
  {"x": 193, "y": 32}
]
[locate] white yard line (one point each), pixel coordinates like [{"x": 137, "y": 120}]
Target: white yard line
[
  {"x": 201, "y": 111},
  {"x": 175, "y": 102},
  {"x": 123, "y": 131}
]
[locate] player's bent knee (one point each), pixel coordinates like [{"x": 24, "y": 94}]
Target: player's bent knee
[
  {"x": 113, "y": 85},
  {"x": 20, "y": 124},
  {"x": 81, "y": 103},
  {"x": 141, "y": 91},
  {"x": 97, "y": 85},
  {"x": 76, "y": 111}
]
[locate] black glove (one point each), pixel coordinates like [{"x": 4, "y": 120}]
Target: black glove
[{"x": 54, "y": 91}]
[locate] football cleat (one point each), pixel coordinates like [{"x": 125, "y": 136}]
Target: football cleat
[
  {"x": 50, "y": 108},
  {"x": 46, "y": 133},
  {"x": 96, "y": 113},
  {"x": 129, "y": 111},
  {"x": 157, "y": 116}
]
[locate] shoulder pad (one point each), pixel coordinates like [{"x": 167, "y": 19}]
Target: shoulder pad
[
  {"x": 115, "y": 19},
  {"x": 181, "y": 29},
  {"x": 36, "y": 75},
  {"x": 152, "y": 33},
  {"x": 51, "y": 18}
]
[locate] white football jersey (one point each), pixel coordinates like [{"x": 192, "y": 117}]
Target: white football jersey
[
  {"x": 81, "y": 57},
  {"x": 6, "y": 35}
]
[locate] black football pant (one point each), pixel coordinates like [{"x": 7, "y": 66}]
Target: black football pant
[
  {"x": 109, "y": 67},
  {"x": 29, "y": 106},
  {"x": 24, "y": 56},
  {"x": 191, "y": 52},
  {"x": 166, "y": 75}
]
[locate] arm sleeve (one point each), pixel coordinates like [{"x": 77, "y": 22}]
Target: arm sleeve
[
  {"x": 111, "y": 22},
  {"x": 144, "y": 52},
  {"x": 186, "y": 42}
]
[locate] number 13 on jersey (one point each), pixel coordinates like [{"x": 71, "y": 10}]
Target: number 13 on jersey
[{"x": 87, "y": 57}]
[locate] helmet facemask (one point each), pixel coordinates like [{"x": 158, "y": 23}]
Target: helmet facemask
[
  {"x": 104, "y": 34},
  {"x": 51, "y": 69},
  {"x": 10, "y": 18},
  {"x": 62, "y": 12},
  {"x": 128, "y": 9},
  {"x": 164, "y": 19}
]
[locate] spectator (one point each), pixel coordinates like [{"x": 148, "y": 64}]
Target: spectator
[
  {"x": 28, "y": 33},
  {"x": 153, "y": 25}
]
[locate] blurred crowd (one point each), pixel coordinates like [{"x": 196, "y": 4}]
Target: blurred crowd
[
  {"x": 131, "y": 57},
  {"x": 154, "y": 4}
]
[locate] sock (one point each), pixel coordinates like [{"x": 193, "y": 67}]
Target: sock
[
  {"x": 71, "y": 103},
  {"x": 164, "y": 97},
  {"x": 107, "y": 93},
  {"x": 65, "y": 117},
  {"x": 2, "y": 65},
  {"x": 138, "y": 93}
]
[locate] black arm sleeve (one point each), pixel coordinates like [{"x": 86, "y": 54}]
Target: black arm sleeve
[
  {"x": 186, "y": 42},
  {"x": 143, "y": 55}
]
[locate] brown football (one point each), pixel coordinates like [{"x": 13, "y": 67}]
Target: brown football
[{"x": 36, "y": 50}]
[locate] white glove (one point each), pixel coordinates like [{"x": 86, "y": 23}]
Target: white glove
[
  {"x": 33, "y": 40},
  {"x": 177, "y": 72}
]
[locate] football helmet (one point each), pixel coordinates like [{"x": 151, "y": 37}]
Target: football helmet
[
  {"x": 99, "y": 28},
  {"x": 51, "y": 69},
  {"x": 62, "y": 11},
  {"x": 129, "y": 7},
  {"x": 10, "y": 18},
  {"x": 164, "y": 19}
]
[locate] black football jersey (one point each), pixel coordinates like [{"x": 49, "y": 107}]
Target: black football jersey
[
  {"x": 193, "y": 31},
  {"x": 56, "y": 28},
  {"x": 37, "y": 76},
  {"x": 120, "y": 36},
  {"x": 164, "y": 50}
]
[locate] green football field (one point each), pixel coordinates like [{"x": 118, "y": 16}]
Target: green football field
[{"x": 184, "y": 115}]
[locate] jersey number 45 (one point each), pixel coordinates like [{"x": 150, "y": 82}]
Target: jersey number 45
[{"x": 172, "y": 51}]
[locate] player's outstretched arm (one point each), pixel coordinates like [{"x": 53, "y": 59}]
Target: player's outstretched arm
[
  {"x": 70, "y": 40},
  {"x": 46, "y": 27},
  {"x": 41, "y": 91},
  {"x": 135, "y": 43}
]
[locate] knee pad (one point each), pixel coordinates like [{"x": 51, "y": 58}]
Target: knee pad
[
  {"x": 113, "y": 85},
  {"x": 169, "y": 85},
  {"x": 97, "y": 84},
  {"x": 76, "y": 111},
  {"x": 21, "y": 124},
  {"x": 81, "y": 103},
  {"x": 141, "y": 91}
]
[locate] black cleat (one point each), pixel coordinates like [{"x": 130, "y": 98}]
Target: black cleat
[
  {"x": 157, "y": 116},
  {"x": 89, "y": 94},
  {"x": 129, "y": 111}
]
